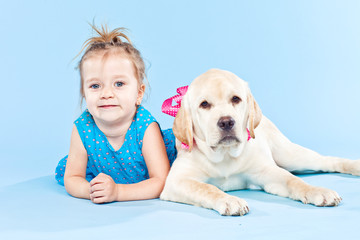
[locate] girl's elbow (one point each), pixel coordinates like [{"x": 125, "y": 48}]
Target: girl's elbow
[
  {"x": 76, "y": 187},
  {"x": 161, "y": 184},
  {"x": 68, "y": 185}
]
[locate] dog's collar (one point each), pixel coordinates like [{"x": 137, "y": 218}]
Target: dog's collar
[
  {"x": 249, "y": 135},
  {"x": 184, "y": 146}
]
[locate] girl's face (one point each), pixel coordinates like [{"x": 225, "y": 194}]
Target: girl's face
[{"x": 111, "y": 89}]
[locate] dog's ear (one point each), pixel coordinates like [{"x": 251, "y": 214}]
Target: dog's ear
[
  {"x": 183, "y": 128},
  {"x": 255, "y": 114}
]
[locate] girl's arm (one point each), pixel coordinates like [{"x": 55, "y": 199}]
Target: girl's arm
[
  {"x": 75, "y": 172},
  {"x": 103, "y": 188}
]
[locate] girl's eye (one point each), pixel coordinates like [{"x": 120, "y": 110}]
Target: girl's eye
[
  {"x": 95, "y": 86},
  {"x": 119, "y": 84}
]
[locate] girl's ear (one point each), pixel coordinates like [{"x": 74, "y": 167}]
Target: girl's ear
[{"x": 141, "y": 92}]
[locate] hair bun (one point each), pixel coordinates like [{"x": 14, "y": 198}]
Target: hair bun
[
  {"x": 104, "y": 37},
  {"x": 116, "y": 40}
]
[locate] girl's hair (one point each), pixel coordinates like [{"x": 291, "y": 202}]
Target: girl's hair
[{"x": 106, "y": 42}]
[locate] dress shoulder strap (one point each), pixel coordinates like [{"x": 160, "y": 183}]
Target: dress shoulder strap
[
  {"x": 142, "y": 120},
  {"x": 85, "y": 125}
]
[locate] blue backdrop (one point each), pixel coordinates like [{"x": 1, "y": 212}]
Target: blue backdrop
[{"x": 301, "y": 59}]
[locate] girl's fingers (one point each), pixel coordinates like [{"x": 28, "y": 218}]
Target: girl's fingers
[
  {"x": 98, "y": 197},
  {"x": 96, "y": 194},
  {"x": 100, "y": 178},
  {"x": 96, "y": 181},
  {"x": 98, "y": 200},
  {"x": 97, "y": 187}
]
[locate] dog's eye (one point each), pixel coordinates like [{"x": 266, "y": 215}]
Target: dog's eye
[
  {"x": 235, "y": 99},
  {"x": 205, "y": 104}
]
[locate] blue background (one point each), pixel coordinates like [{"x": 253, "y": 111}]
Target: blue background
[{"x": 301, "y": 59}]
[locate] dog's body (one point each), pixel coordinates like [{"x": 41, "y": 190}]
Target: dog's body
[{"x": 213, "y": 120}]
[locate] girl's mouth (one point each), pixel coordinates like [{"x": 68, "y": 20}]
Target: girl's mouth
[{"x": 107, "y": 106}]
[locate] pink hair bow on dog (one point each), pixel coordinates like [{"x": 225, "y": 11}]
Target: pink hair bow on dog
[
  {"x": 167, "y": 106},
  {"x": 171, "y": 110}
]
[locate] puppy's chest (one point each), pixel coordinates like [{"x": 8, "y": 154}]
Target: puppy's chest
[
  {"x": 228, "y": 176},
  {"x": 232, "y": 182}
]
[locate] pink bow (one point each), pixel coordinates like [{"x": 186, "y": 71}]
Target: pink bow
[{"x": 167, "y": 106}]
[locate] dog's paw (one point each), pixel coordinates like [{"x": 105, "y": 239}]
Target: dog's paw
[
  {"x": 321, "y": 197},
  {"x": 232, "y": 206}
]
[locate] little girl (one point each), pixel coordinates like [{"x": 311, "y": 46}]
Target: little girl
[{"x": 117, "y": 150}]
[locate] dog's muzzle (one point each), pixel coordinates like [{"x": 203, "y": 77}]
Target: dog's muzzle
[{"x": 226, "y": 125}]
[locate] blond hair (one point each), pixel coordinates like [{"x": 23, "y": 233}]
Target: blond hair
[{"x": 111, "y": 41}]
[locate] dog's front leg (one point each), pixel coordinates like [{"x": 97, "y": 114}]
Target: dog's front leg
[
  {"x": 280, "y": 182},
  {"x": 204, "y": 195}
]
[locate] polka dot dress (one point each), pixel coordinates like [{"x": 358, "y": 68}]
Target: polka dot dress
[{"x": 126, "y": 165}]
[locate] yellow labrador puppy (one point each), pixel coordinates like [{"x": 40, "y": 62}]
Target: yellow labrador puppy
[{"x": 216, "y": 115}]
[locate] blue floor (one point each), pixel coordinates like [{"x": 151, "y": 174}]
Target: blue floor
[{"x": 41, "y": 209}]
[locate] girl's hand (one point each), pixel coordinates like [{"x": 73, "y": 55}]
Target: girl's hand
[{"x": 103, "y": 189}]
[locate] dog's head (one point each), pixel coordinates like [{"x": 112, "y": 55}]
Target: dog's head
[{"x": 216, "y": 110}]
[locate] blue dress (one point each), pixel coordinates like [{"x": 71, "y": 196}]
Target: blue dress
[{"x": 126, "y": 165}]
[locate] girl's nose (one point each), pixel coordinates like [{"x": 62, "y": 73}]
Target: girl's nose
[{"x": 107, "y": 93}]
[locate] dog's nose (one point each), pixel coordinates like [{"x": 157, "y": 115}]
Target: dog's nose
[{"x": 226, "y": 123}]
